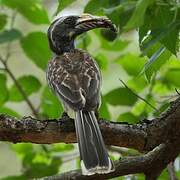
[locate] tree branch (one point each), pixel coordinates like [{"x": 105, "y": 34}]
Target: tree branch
[
  {"x": 144, "y": 136},
  {"x": 151, "y": 164}
]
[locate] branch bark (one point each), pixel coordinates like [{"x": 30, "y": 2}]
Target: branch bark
[{"x": 162, "y": 133}]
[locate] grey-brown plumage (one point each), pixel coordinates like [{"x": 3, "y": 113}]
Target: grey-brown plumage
[{"x": 75, "y": 78}]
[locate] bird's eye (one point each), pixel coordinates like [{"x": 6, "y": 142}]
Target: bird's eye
[{"x": 68, "y": 21}]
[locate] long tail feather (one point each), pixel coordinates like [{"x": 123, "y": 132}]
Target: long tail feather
[{"x": 93, "y": 153}]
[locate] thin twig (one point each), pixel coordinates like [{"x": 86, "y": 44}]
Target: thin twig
[
  {"x": 138, "y": 95},
  {"x": 35, "y": 113},
  {"x": 177, "y": 91},
  {"x": 12, "y": 76}
]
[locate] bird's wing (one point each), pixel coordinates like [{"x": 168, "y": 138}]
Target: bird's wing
[
  {"x": 91, "y": 82},
  {"x": 76, "y": 80},
  {"x": 65, "y": 84}
]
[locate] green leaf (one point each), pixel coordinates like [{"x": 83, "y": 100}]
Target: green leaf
[
  {"x": 161, "y": 27},
  {"x": 35, "y": 45},
  {"x": 63, "y": 4},
  {"x": 115, "y": 45},
  {"x": 132, "y": 64},
  {"x": 121, "y": 96},
  {"x": 6, "y": 110},
  {"x": 103, "y": 111},
  {"x": 50, "y": 104},
  {"x": 156, "y": 61},
  {"x": 23, "y": 148},
  {"x": 10, "y": 35},
  {"x": 31, "y": 9},
  {"x": 137, "y": 83},
  {"x": 62, "y": 147},
  {"x": 128, "y": 117},
  {"x": 108, "y": 34},
  {"x": 83, "y": 41},
  {"x": 137, "y": 18},
  {"x": 102, "y": 61},
  {"x": 20, "y": 177},
  {"x": 121, "y": 13},
  {"x": 3, "y": 21},
  {"x": 3, "y": 90},
  {"x": 96, "y": 6},
  {"x": 172, "y": 77},
  {"x": 29, "y": 84}
]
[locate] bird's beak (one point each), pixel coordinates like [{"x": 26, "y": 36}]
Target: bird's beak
[{"x": 86, "y": 22}]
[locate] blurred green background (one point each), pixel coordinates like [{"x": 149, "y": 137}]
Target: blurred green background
[{"x": 144, "y": 54}]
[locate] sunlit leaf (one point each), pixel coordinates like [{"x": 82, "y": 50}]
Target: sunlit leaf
[
  {"x": 102, "y": 61},
  {"x": 6, "y": 110},
  {"x": 104, "y": 111},
  {"x": 31, "y": 9},
  {"x": 10, "y": 35},
  {"x": 51, "y": 106},
  {"x": 29, "y": 84},
  {"x": 132, "y": 64},
  {"x": 62, "y": 147},
  {"x": 35, "y": 45},
  {"x": 115, "y": 45},
  {"x": 128, "y": 117},
  {"x": 172, "y": 77}
]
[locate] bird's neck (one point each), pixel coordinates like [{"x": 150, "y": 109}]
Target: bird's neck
[{"x": 65, "y": 47}]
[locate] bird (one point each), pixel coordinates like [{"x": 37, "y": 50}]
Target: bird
[{"x": 75, "y": 78}]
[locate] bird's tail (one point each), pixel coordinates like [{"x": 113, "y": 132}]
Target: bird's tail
[{"x": 93, "y": 153}]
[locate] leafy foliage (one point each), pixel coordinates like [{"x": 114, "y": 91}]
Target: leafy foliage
[
  {"x": 144, "y": 53},
  {"x": 29, "y": 85},
  {"x": 39, "y": 53}
]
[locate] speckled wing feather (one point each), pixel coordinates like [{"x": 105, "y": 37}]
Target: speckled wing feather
[{"x": 75, "y": 78}]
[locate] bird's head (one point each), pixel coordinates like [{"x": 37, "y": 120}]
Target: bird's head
[{"x": 64, "y": 30}]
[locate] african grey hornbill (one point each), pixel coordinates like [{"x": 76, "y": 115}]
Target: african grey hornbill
[{"x": 75, "y": 78}]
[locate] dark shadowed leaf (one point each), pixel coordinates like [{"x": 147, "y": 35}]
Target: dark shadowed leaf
[
  {"x": 3, "y": 21},
  {"x": 35, "y": 45},
  {"x": 29, "y": 84},
  {"x": 137, "y": 18},
  {"x": 51, "y": 106},
  {"x": 121, "y": 96},
  {"x": 128, "y": 117},
  {"x": 31, "y": 9},
  {"x": 63, "y": 4},
  {"x": 10, "y": 35},
  {"x": 3, "y": 89}
]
